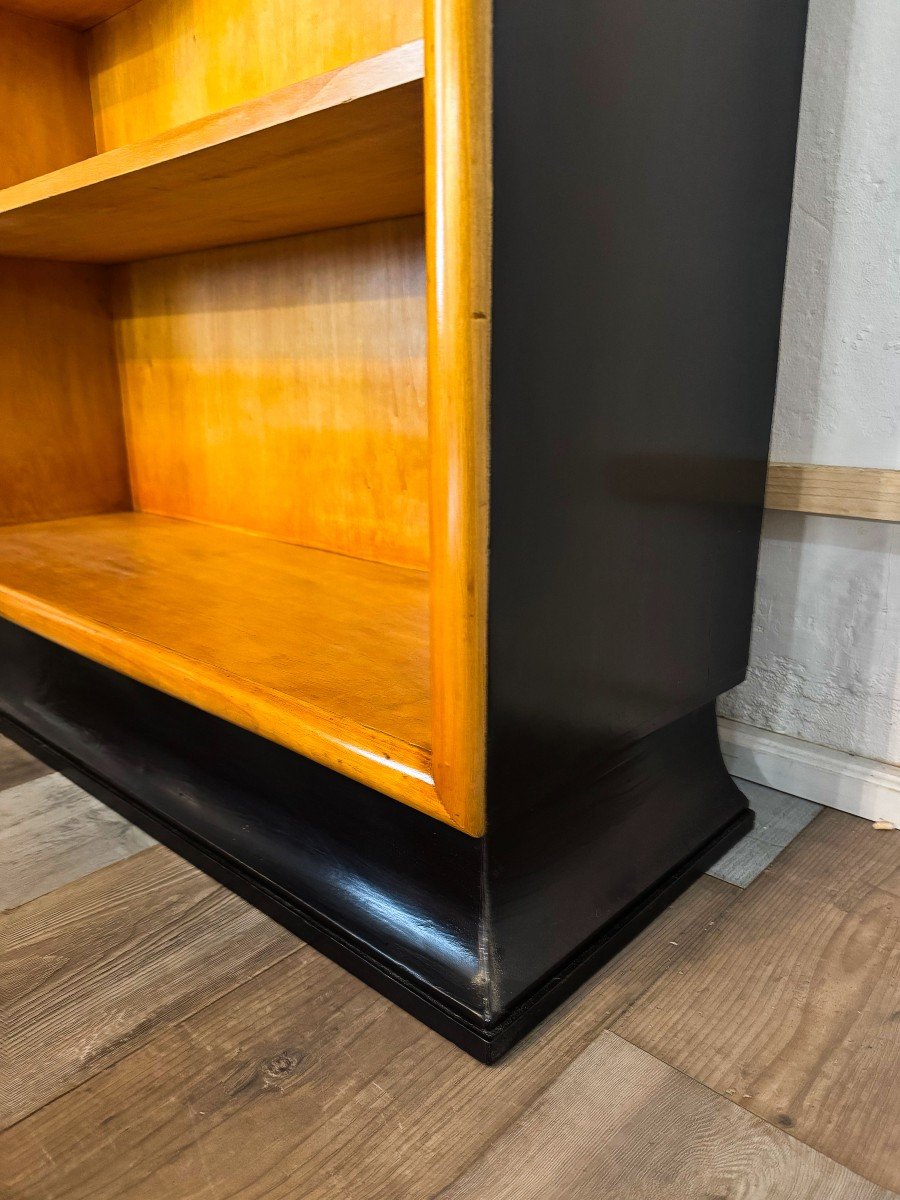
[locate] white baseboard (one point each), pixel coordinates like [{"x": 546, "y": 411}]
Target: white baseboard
[{"x": 860, "y": 786}]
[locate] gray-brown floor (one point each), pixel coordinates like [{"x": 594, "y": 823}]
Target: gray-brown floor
[{"x": 164, "y": 1041}]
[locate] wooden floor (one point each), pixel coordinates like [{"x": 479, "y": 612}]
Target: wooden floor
[{"x": 164, "y": 1041}]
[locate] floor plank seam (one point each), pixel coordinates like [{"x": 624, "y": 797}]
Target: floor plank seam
[{"x": 746, "y": 1108}]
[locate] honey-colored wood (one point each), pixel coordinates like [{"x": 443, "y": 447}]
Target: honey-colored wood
[
  {"x": 789, "y": 1008},
  {"x": 80, "y": 14},
  {"x": 280, "y": 388},
  {"x": 165, "y": 62},
  {"x": 45, "y": 98},
  {"x": 331, "y": 151},
  {"x": 458, "y": 131},
  {"x": 326, "y": 654},
  {"x": 62, "y": 447},
  {"x": 863, "y": 492}
]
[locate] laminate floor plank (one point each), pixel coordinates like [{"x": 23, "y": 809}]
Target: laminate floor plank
[
  {"x": 17, "y": 766},
  {"x": 96, "y": 969},
  {"x": 305, "y": 1083},
  {"x": 790, "y": 1006},
  {"x": 51, "y": 832},
  {"x": 620, "y": 1125}
]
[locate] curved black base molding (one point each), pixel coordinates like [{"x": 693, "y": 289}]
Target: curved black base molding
[{"x": 478, "y": 937}]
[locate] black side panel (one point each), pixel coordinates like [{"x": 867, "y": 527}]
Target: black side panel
[
  {"x": 401, "y": 887},
  {"x": 644, "y": 155}
]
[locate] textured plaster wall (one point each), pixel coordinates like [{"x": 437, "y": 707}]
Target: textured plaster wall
[{"x": 825, "y": 660}]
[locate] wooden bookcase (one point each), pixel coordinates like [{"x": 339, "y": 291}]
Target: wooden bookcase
[{"x": 385, "y": 396}]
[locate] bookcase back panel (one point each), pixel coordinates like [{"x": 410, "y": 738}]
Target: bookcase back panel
[
  {"x": 280, "y": 387},
  {"x": 165, "y": 62},
  {"x": 44, "y": 98},
  {"x": 62, "y": 450}
]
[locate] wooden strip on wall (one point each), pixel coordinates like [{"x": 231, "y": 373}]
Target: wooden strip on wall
[{"x": 864, "y": 492}]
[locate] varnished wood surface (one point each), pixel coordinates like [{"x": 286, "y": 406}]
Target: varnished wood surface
[
  {"x": 458, "y": 161},
  {"x": 16, "y": 766},
  {"x": 789, "y": 1008},
  {"x": 54, "y": 833},
  {"x": 325, "y": 654},
  {"x": 280, "y": 388},
  {"x": 863, "y": 492},
  {"x": 655, "y": 1135},
  {"x": 80, "y": 14},
  {"x": 102, "y": 966},
  {"x": 336, "y": 150},
  {"x": 165, "y": 63},
  {"x": 44, "y": 98},
  {"x": 62, "y": 446}
]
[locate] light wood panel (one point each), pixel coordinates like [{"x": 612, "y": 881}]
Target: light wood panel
[
  {"x": 45, "y": 98},
  {"x": 99, "y": 968},
  {"x": 281, "y": 388},
  {"x": 80, "y": 14},
  {"x": 303, "y": 1082},
  {"x": 863, "y": 492},
  {"x": 52, "y": 832},
  {"x": 16, "y": 766},
  {"x": 789, "y": 1008},
  {"x": 331, "y": 151},
  {"x": 458, "y": 131},
  {"x": 327, "y": 655},
  {"x": 62, "y": 449},
  {"x": 619, "y": 1123},
  {"x": 164, "y": 62}
]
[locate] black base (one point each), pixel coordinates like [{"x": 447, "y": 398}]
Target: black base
[{"x": 477, "y": 938}]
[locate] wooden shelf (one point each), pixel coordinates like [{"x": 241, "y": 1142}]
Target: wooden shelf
[
  {"x": 340, "y": 149},
  {"x": 327, "y": 655}
]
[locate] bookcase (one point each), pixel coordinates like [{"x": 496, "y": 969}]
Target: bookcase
[{"x": 385, "y": 394}]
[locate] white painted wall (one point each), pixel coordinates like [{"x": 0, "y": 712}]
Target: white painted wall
[
  {"x": 839, "y": 376},
  {"x": 825, "y": 659}
]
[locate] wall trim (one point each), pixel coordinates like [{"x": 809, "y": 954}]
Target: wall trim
[
  {"x": 862, "y": 786},
  {"x": 869, "y": 493}
]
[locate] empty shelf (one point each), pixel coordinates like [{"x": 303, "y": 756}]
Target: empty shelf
[
  {"x": 340, "y": 149},
  {"x": 325, "y": 654}
]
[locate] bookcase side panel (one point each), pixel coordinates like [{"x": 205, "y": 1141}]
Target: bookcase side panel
[
  {"x": 641, "y": 205},
  {"x": 62, "y": 449},
  {"x": 45, "y": 98}
]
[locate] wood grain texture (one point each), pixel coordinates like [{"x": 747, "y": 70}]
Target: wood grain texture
[
  {"x": 281, "y": 388},
  {"x": 620, "y": 1124},
  {"x": 99, "y": 968},
  {"x": 62, "y": 449},
  {"x": 325, "y": 654},
  {"x": 79, "y": 14},
  {"x": 52, "y": 832},
  {"x": 863, "y": 492},
  {"x": 789, "y": 1007},
  {"x": 458, "y": 184},
  {"x": 166, "y": 63},
  {"x": 16, "y": 766},
  {"x": 44, "y": 97},
  {"x": 336, "y": 150},
  {"x": 305, "y": 1083}
]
